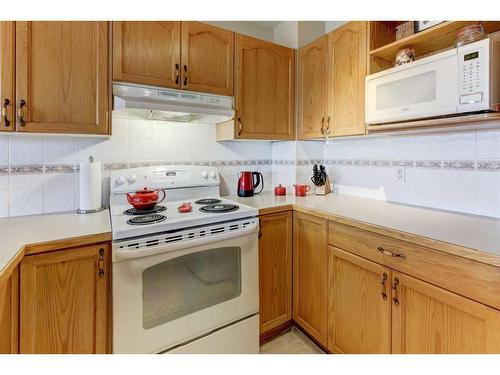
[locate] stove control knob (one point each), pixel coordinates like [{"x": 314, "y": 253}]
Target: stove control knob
[
  {"x": 204, "y": 174},
  {"x": 212, "y": 174},
  {"x": 132, "y": 178},
  {"x": 120, "y": 180}
]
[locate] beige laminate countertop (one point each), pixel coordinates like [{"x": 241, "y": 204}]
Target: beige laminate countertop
[
  {"x": 19, "y": 233},
  {"x": 479, "y": 233}
]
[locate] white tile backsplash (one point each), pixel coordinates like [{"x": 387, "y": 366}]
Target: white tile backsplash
[{"x": 26, "y": 149}]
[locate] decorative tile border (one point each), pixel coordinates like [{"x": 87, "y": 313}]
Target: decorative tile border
[
  {"x": 4, "y": 170},
  {"x": 488, "y": 165},
  {"x": 27, "y": 169},
  {"x": 60, "y": 168},
  {"x": 462, "y": 165}
]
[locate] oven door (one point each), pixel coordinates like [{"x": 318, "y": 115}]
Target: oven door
[
  {"x": 423, "y": 88},
  {"x": 170, "y": 294}
]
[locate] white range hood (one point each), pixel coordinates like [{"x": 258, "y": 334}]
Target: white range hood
[{"x": 172, "y": 105}]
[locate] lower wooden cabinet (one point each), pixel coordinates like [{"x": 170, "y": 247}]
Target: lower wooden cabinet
[
  {"x": 275, "y": 270},
  {"x": 359, "y": 304},
  {"x": 64, "y": 301},
  {"x": 430, "y": 320},
  {"x": 9, "y": 314},
  {"x": 310, "y": 270}
]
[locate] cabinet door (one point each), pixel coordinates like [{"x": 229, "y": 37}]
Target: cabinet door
[
  {"x": 310, "y": 281},
  {"x": 9, "y": 314},
  {"x": 264, "y": 89},
  {"x": 347, "y": 70},
  {"x": 359, "y": 307},
  {"x": 275, "y": 270},
  {"x": 7, "y": 35},
  {"x": 62, "y": 80},
  {"x": 64, "y": 301},
  {"x": 147, "y": 52},
  {"x": 207, "y": 59},
  {"x": 313, "y": 88},
  {"x": 430, "y": 320}
]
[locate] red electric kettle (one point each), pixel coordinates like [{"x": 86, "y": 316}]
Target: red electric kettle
[{"x": 248, "y": 182}]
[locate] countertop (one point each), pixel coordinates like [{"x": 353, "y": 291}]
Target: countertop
[
  {"x": 479, "y": 233},
  {"x": 18, "y": 233}
]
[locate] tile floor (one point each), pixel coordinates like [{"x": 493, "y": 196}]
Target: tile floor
[{"x": 290, "y": 342}]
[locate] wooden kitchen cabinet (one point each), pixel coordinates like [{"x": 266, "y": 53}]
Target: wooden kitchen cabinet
[
  {"x": 64, "y": 299},
  {"x": 359, "y": 304},
  {"x": 7, "y": 51},
  {"x": 9, "y": 314},
  {"x": 312, "y": 88},
  {"x": 147, "y": 52},
  {"x": 347, "y": 64},
  {"x": 207, "y": 59},
  {"x": 265, "y": 93},
  {"x": 62, "y": 79},
  {"x": 275, "y": 271},
  {"x": 427, "y": 319},
  {"x": 310, "y": 275}
]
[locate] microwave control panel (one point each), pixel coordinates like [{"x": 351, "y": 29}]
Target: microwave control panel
[{"x": 473, "y": 77}]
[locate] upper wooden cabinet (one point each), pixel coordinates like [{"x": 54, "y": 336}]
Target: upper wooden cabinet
[
  {"x": 265, "y": 75},
  {"x": 347, "y": 50},
  {"x": 275, "y": 270},
  {"x": 147, "y": 52},
  {"x": 359, "y": 305},
  {"x": 181, "y": 55},
  {"x": 9, "y": 313},
  {"x": 62, "y": 80},
  {"x": 313, "y": 88},
  {"x": 310, "y": 269},
  {"x": 207, "y": 59},
  {"x": 431, "y": 320},
  {"x": 64, "y": 301},
  {"x": 332, "y": 83},
  {"x": 7, "y": 43}
]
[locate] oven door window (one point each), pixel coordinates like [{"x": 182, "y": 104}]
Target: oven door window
[{"x": 189, "y": 283}]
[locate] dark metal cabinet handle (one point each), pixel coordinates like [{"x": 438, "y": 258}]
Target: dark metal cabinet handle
[
  {"x": 185, "y": 75},
  {"x": 395, "y": 298},
  {"x": 177, "y": 74},
  {"x": 390, "y": 253},
  {"x": 382, "y": 285},
  {"x": 323, "y": 125},
  {"x": 5, "y": 112},
  {"x": 328, "y": 125},
  {"x": 260, "y": 230},
  {"x": 20, "y": 113},
  {"x": 101, "y": 262}
]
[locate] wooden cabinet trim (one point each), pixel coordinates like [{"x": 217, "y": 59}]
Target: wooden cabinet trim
[{"x": 7, "y": 79}]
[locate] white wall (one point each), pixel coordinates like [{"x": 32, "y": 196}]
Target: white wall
[
  {"x": 245, "y": 28},
  {"x": 287, "y": 34}
]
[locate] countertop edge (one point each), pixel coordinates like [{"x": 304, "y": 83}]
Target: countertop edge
[{"x": 439, "y": 245}]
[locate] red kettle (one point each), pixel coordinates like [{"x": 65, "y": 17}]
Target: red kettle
[{"x": 248, "y": 182}]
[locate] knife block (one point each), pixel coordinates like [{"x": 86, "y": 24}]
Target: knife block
[{"x": 325, "y": 189}]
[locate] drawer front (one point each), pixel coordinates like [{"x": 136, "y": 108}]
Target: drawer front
[{"x": 469, "y": 278}]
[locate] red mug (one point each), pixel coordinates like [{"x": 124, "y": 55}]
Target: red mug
[{"x": 301, "y": 190}]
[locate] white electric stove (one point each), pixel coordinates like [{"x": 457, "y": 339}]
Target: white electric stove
[{"x": 183, "y": 282}]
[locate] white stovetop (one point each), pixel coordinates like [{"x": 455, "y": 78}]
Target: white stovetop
[{"x": 175, "y": 219}]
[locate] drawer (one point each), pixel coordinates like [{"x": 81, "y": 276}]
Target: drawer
[{"x": 475, "y": 280}]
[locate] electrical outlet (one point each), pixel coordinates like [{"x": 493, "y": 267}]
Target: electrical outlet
[{"x": 400, "y": 174}]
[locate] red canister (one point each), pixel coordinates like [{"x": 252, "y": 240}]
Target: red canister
[{"x": 280, "y": 190}]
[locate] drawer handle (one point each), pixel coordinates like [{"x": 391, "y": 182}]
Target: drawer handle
[
  {"x": 101, "y": 262},
  {"x": 382, "y": 284},
  {"x": 395, "y": 298},
  {"x": 387, "y": 252},
  {"x": 240, "y": 126}
]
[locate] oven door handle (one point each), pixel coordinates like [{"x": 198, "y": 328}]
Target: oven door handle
[{"x": 121, "y": 254}]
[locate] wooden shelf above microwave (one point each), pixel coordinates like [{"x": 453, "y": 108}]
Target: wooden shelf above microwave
[
  {"x": 434, "y": 39},
  {"x": 445, "y": 123}
]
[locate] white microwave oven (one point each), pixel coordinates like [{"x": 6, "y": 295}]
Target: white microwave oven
[{"x": 454, "y": 82}]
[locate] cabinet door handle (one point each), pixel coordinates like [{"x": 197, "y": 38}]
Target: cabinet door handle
[
  {"x": 260, "y": 230},
  {"x": 390, "y": 253},
  {"x": 20, "y": 113},
  {"x": 382, "y": 285},
  {"x": 240, "y": 126},
  {"x": 177, "y": 72},
  {"x": 322, "y": 125},
  {"x": 101, "y": 262},
  {"x": 185, "y": 75},
  {"x": 395, "y": 298},
  {"x": 328, "y": 125},
  {"x": 5, "y": 112}
]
